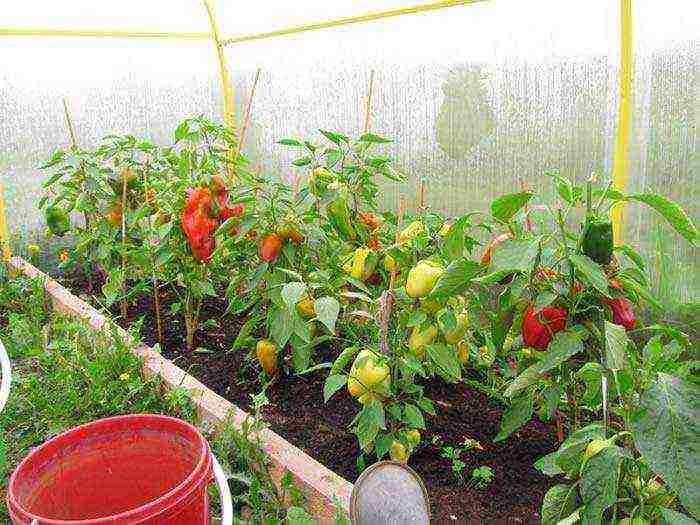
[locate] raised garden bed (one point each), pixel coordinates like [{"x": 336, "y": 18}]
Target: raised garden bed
[{"x": 224, "y": 381}]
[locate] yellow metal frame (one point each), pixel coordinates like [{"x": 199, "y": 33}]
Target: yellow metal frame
[
  {"x": 622, "y": 139},
  {"x": 104, "y": 33},
  {"x": 367, "y": 17}
]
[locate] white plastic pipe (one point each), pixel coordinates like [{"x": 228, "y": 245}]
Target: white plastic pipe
[
  {"x": 6, "y": 376},
  {"x": 224, "y": 492}
]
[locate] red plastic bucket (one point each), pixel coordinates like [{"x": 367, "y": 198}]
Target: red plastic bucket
[{"x": 145, "y": 469}]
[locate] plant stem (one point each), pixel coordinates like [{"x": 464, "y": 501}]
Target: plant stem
[{"x": 156, "y": 305}]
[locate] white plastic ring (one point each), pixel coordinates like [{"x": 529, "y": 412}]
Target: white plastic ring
[
  {"x": 6, "y": 377},
  {"x": 224, "y": 492}
]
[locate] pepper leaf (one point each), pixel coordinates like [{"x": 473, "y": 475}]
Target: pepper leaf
[
  {"x": 667, "y": 433},
  {"x": 504, "y": 208},
  {"x": 672, "y": 212},
  {"x": 327, "y": 310},
  {"x": 515, "y": 416},
  {"x": 334, "y": 382},
  {"x": 590, "y": 272}
]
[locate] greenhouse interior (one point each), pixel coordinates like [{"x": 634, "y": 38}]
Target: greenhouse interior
[{"x": 349, "y": 261}]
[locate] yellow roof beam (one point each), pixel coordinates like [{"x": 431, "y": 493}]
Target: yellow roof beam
[
  {"x": 104, "y": 33},
  {"x": 367, "y": 17}
]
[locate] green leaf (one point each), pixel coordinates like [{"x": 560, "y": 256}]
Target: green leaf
[
  {"x": 667, "y": 433},
  {"x": 632, "y": 254},
  {"x": 641, "y": 291},
  {"x": 327, "y": 310},
  {"x": 290, "y": 142},
  {"x": 672, "y": 517},
  {"x": 302, "y": 161},
  {"x": 335, "y": 138},
  {"x": 504, "y": 208},
  {"x": 292, "y": 293},
  {"x": 515, "y": 416},
  {"x": 672, "y": 212},
  {"x": 281, "y": 326},
  {"x": 374, "y": 139},
  {"x": 564, "y": 345},
  {"x": 590, "y": 272},
  {"x": 558, "y": 503},
  {"x": 334, "y": 382},
  {"x": 527, "y": 377},
  {"x": 544, "y": 299},
  {"x": 301, "y": 354},
  {"x": 369, "y": 422},
  {"x": 599, "y": 479},
  {"x": 445, "y": 359},
  {"x": 182, "y": 130},
  {"x": 245, "y": 332},
  {"x": 413, "y": 416},
  {"x": 616, "y": 342},
  {"x": 511, "y": 256},
  {"x": 456, "y": 278}
]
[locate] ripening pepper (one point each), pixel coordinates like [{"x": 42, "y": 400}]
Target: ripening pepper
[
  {"x": 114, "y": 215},
  {"x": 291, "y": 233},
  {"x": 269, "y": 247},
  {"x": 418, "y": 340},
  {"x": 597, "y": 242},
  {"x": 306, "y": 307},
  {"x": 422, "y": 278},
  {"x": 197, "y": 224},
  {"x": 367, "y": 374},
  {"x": 410, "y": 232},
  {"x": 57, "y": 220},
  {"x": 453, "y": 336},
  {"x": 339, "y": 215},
  {"x": 266, "y": 352},
  {"x": 369, "y": 219},
  {"x": 622, "y": 313},
  {"x": 221, "y": 195},
  {"x": 364, "y": 261},
  {"x": 539, "y": 328}
]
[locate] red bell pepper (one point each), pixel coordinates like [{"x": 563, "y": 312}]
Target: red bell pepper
[
  {"x": 269, "y": 247},
  {"x": 622, "y": 313},
  {"x": 197, "y": 224},
  {"x": 539, "y": 328}
]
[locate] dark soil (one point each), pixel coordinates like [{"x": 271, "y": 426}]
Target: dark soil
[{"x": 297, "y": 412}]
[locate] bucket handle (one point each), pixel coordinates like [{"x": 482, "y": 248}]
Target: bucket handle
[
  {"x": 224, "y": 492},
  {"x": 6, "y": 376}
]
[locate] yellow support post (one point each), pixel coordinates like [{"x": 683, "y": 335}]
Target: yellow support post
[
  {"x": 227, "y": 90},
  {"x": 622, "y": 139},
  {"x": 4, "y": 235}
]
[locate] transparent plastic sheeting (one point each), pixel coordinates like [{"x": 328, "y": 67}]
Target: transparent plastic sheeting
[{"x": 476, "y": 97}]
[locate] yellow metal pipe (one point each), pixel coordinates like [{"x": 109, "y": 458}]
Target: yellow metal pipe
[
  {"x": 622, "y": 139},
  {"x": 109, "y": 33},
  {"x": 4, "y": 235},
  {"x": 368, "y": 17},
  {"x": 226, "y": 89}
]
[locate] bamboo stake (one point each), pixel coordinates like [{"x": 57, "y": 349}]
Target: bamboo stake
[
  {"x": 526, "y": 208},
  {"x": 246, "y": 114},
  {"x": 123, "y": 301},
  {"x": 368, "y": 106},
  {"x": 154, "y": 277},
  {"x": 69, "y": 123}
]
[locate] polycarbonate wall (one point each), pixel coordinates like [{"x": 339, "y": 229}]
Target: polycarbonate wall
[{"x": 476, "y": 97}]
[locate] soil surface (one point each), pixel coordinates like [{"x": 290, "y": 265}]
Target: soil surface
[{"x": 297, "y": 412}]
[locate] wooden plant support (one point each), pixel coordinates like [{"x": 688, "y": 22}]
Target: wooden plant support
[
  {"x": 368, "y": 105},
  {"x": 246, "y": 115},
  {"x": 123, "y": 301},
  {"x": 526, "y": 208}
]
